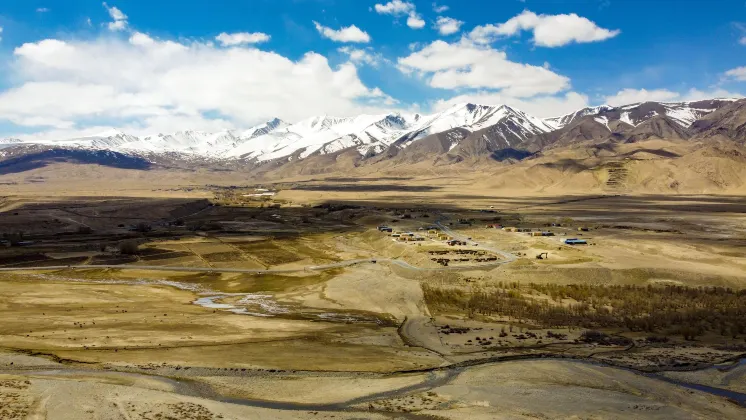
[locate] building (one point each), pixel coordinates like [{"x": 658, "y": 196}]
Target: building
[
  {"x": 547, "y": 233},
  {"x": 575, "y": 241},
  {"x": 261, "y": 194}
]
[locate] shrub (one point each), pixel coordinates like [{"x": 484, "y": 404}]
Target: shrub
[{"x": 129, "y": 247}]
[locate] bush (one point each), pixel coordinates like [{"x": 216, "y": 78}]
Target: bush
[{"x": 129, "y": 247}]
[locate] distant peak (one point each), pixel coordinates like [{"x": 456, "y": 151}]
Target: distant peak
[{"x": 112, "y": 132}]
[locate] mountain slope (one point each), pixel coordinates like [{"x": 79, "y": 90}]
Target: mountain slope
[
  {"x": 683, "y": 113},
  {"x": 728, "y": 121},
  {"x": 494, "y": 128},
  {"x": 660, "y": 126}
]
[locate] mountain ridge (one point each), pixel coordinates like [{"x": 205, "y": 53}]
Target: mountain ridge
[{"x": 464, "y": 131}]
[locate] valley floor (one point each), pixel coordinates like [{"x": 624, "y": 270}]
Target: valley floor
[{"x": 307, "y": 310}]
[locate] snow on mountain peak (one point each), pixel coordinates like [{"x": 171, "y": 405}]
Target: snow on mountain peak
[{"x": 366, "y": 133}]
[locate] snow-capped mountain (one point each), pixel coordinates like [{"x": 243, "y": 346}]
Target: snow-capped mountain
[
  {"x": 683, "y": 113},
  {"x": 462, "y": 130},
  {"x": 563, "y": 120}
]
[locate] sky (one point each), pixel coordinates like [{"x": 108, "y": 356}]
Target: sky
[{"x": 71, "y": 68}]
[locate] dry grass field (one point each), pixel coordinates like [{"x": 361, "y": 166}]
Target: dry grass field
[{"x": 299, "y": 307}]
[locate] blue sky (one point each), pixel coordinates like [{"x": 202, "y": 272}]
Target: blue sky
[{"x": 76, "y": 66}]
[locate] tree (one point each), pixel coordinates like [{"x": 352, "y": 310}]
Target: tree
[{"x": 129, "y": 247}]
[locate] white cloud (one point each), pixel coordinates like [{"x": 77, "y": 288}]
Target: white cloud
[
  {"x": 543, "y": 106},
  {"x": 440, "y": 9},
  {"x": 120, "y": 19},
  {"x": 145, "y": 85},
  {"x": 548, "y": 30},
  {"x": 242, "y": 38},
  {"x": 467, "y": 65},
  {"x": 399, "y": 8},
  {"x": 738, "y": 73},
  {"x": 1, "y": 32},
  {"x": 362, "y": 56},
  {"x": 632, "y": 96},
  {"x": 395, "y": 8},
  {"x": 139, "y": 38},
  {"x": 42, "y": 10},
  {"x": 698, "y": 95},
  {"x": 447, "y": 25},
  {"x": 347, "y": 34},
  {"x": 415, "y": 21},
  {"x": 742, "y": 41}
]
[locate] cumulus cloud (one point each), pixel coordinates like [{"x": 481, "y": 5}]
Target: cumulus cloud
[
  {"x": 146, "y": 85},
  {"x": 548, "y": 30},
  {"x": 241, "y": 38},
  {"x": 440, "y": 8},
  {"x": 119, "y": 22},
  {"x": 362, "y": 56},
  {"x": 139, "y": 38},
  {"x": 399, "y": 8},
  {"x": 447, "y": 25},
  {"x": 632, "y": 96},
  {"x": 346, "y": 34},
  {"x": 738, "y": 73},
  {"x": 395, "y": 8},
  {"x": 467, "y": 65},
  {"x": 415, "y": 21},
  {"x": 542, "y": 106}
]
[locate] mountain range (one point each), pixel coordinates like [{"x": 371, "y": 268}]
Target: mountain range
[{"x": 462, "y": 132}]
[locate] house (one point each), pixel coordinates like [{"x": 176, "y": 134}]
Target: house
[
  {"x": 575, "y": 241},
  {"x": 537, "y": 233},
  {"x": 547, "y": 233}
]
